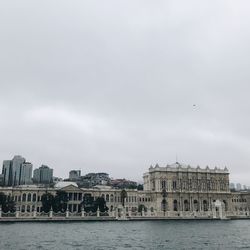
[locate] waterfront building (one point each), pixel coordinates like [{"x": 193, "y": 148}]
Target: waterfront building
[
  {"x": 43, "y": 175},
  {"x": 174, "y": 191},
  {"x": 188, "y": 189}
]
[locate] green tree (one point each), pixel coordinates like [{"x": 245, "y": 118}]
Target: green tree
[
  {"x": 47, "y": 200},
  {"x": 58, "y": 203},
  {"x": 7, "y": 203},
  {"x": 88, "y": 203},
  {"x": 91, "y": 205},
  {"x": 101, "y": 204}
]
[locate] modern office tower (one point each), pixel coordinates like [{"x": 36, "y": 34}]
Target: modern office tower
[
  {"x": 16, "y": 171},
  {"x": 7, "y": 173},
  {"x": 17, "y": 162},
  {"x": 43, "y": 175},
  {"x": 74, "y": 174},
  {"x": 26, "y": 173}
]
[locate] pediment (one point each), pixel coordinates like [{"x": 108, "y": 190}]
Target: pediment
[{"x": 71, "y": 188}]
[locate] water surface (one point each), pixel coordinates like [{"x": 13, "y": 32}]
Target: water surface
[{"x": 126, "y": 235}]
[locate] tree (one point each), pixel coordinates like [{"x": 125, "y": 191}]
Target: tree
[
  {"x": 101, "y": 204},
  {"x": 58, "y": 203},
  {"x": 123, "y": 196},
  {"x": 88, "y": 203},
  {"x": 91, "y": 205},
  {"x": 7, "y": 203},
  {"x": 140, "y": 187},
  {"x": 47, "y": 202}
]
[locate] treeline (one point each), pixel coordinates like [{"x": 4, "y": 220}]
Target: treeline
[
  {"x": 59, "y": 201},
  {"x": 7, "y": 203}
]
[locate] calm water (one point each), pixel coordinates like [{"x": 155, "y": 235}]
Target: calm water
[{"x": 127, "y": 235}]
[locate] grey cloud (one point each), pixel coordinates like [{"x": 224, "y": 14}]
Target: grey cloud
[{"x": 110, "y": 85}]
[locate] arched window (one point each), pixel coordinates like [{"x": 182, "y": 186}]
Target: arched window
[
  {"x": 196, "y": 205},
  {"x": 225, "y": 203},
  {"x": 163, "y": 184},
  {"x": 186, "y": 205},
  {"x": 174, "y": 185},
  {"x": 28, "y": 208},
  {"x": 34, "y": 197},
  {"x": 175, "y": 205},
  {"x": 205, "y": 205},
  {"x": 33, "y": 208},
  {"x": 164, "y": 205},
  {"x": 24, "y": 197},
  {"x": 107, "y": 197},
  {"x": 29, "y": 197},
  {"x": 111, "y": 198},
  {"x": 23, "y": 209}
]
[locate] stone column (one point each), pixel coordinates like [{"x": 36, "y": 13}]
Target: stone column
[
  {"x": 98, "y": 212},
  {"x": 67, "y": 213},
  {"x": 116, "y": 213},
  {"x": 129, "y": 211},
  {"x": 143, "y": 212},
  {"x": 0, "y": 211},
  {"x": 17, "y": 213},
  {"x": 51, "y": 213},
  {"x": 34, "y": 212},
  {"x": 123, "y": 213},
  {"x": 83, "y": 212}
]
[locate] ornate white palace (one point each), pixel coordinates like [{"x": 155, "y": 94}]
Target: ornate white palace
[{"x": 176, "y": 191}]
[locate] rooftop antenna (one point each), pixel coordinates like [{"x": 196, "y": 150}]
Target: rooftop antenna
[{"x": 176, "y": 158}]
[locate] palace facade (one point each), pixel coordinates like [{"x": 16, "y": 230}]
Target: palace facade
[{"x": 174, "y": 191}]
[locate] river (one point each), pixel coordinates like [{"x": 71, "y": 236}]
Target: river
[{"x": 180, "y": 234}]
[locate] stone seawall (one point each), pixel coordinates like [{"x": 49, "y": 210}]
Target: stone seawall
[{"x": 94, "y": 218}]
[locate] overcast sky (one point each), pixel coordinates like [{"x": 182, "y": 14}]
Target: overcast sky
[{"x": 111, "y": 85}]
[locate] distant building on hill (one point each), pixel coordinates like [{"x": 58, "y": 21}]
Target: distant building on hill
[
  {"x": 74, "y": 174},
  {"x": 123, "y": 183}
]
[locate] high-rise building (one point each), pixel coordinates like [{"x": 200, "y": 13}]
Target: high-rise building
[
  {"x": 26, "y": 173},
  {"x": 7, "y": 173},
  {"x": 44, "y": 175},
  {"x": 16, "y": 171},
  {"x": 17, "y": 162},
  {"x": 238, "y": 186},
  {"x": 232, "y": 186}
]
